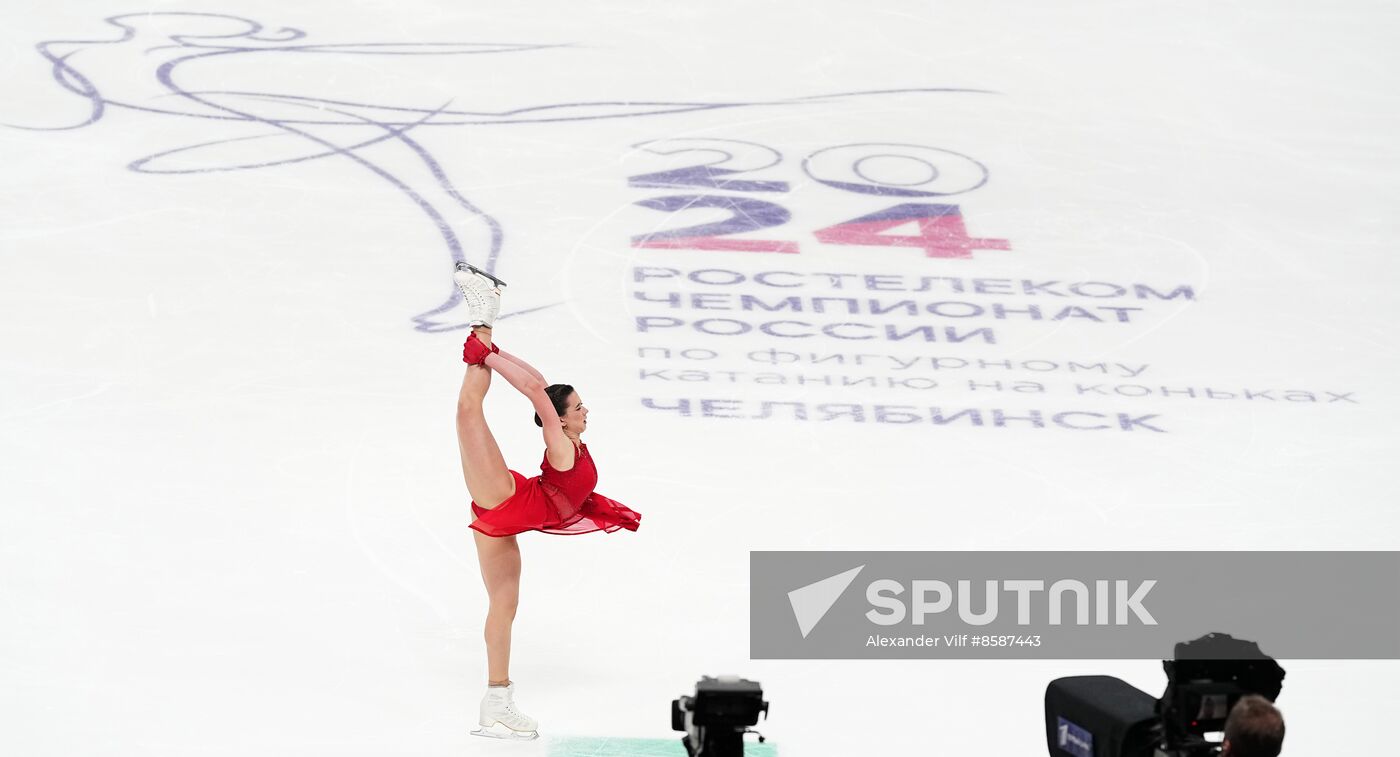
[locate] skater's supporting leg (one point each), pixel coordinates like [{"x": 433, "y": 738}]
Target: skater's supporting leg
[
  {"x": 489, "y": 481},
  {"x": 500, "y": 570}
]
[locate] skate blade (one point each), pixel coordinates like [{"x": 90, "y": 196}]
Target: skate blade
[
  {"x": 501, "y": 731},
  {"x": 462, "y": 266}
]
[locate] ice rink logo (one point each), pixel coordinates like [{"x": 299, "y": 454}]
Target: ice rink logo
[
  {"x": 282, "y": 119},
  {"x": 897, "y": 172}
]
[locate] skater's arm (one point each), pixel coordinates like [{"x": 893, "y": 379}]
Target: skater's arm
[
  {"x": 557, "y": 445},
  {"x": 529, "y": 368}
]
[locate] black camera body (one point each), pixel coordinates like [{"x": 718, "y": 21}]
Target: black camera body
[
  {"x": 716, "y": 718},
  {"x": 1207, "y": 678},
  {"x": 1102, "y": 716}
]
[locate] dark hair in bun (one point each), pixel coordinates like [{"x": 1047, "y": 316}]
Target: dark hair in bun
[{"x": 559, "y": 397}]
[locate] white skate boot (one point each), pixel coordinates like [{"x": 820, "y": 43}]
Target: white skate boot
[
  {"x": 499, "y": 718},
  {"x": 481, "y": 293}
]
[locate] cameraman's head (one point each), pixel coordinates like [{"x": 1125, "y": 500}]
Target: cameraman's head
[{"x": 1254, "y": 729}]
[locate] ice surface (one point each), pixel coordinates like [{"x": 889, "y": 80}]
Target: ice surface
[{"x": 234, "y": 521}]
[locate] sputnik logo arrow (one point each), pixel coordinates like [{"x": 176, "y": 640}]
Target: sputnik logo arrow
[{"x": 811, "y": 602}]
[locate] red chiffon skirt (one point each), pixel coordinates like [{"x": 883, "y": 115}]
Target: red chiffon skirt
[{"x": 539, "y": 506}]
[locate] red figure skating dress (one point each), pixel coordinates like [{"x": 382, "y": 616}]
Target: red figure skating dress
[{"x": 556, "y": 502}]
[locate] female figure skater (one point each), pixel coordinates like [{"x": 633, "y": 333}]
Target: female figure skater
[{"x": 560, "y": 500}]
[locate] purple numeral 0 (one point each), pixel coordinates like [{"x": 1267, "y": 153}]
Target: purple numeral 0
[{"x": 895, "y": 170}]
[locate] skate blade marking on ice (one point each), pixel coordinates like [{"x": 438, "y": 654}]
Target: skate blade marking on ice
[
  {"x": 499, "y": 730},
  {"x": 463, "y": 266}
]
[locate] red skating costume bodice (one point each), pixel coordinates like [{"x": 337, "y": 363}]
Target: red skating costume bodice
[{"x": 556, "y": 502}]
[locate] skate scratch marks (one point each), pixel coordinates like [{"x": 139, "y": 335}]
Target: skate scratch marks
[{"x": 317, "y": 125}]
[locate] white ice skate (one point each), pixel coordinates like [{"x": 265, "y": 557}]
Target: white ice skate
[
  {"x": 481, "y": 293},
  {"x": 499, "y": 718}
]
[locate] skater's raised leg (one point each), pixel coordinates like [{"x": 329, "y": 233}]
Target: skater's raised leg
[{"x": 483, "y": 466}]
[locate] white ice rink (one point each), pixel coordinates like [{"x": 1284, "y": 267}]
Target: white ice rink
[{"x": 234, "y": 521}]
